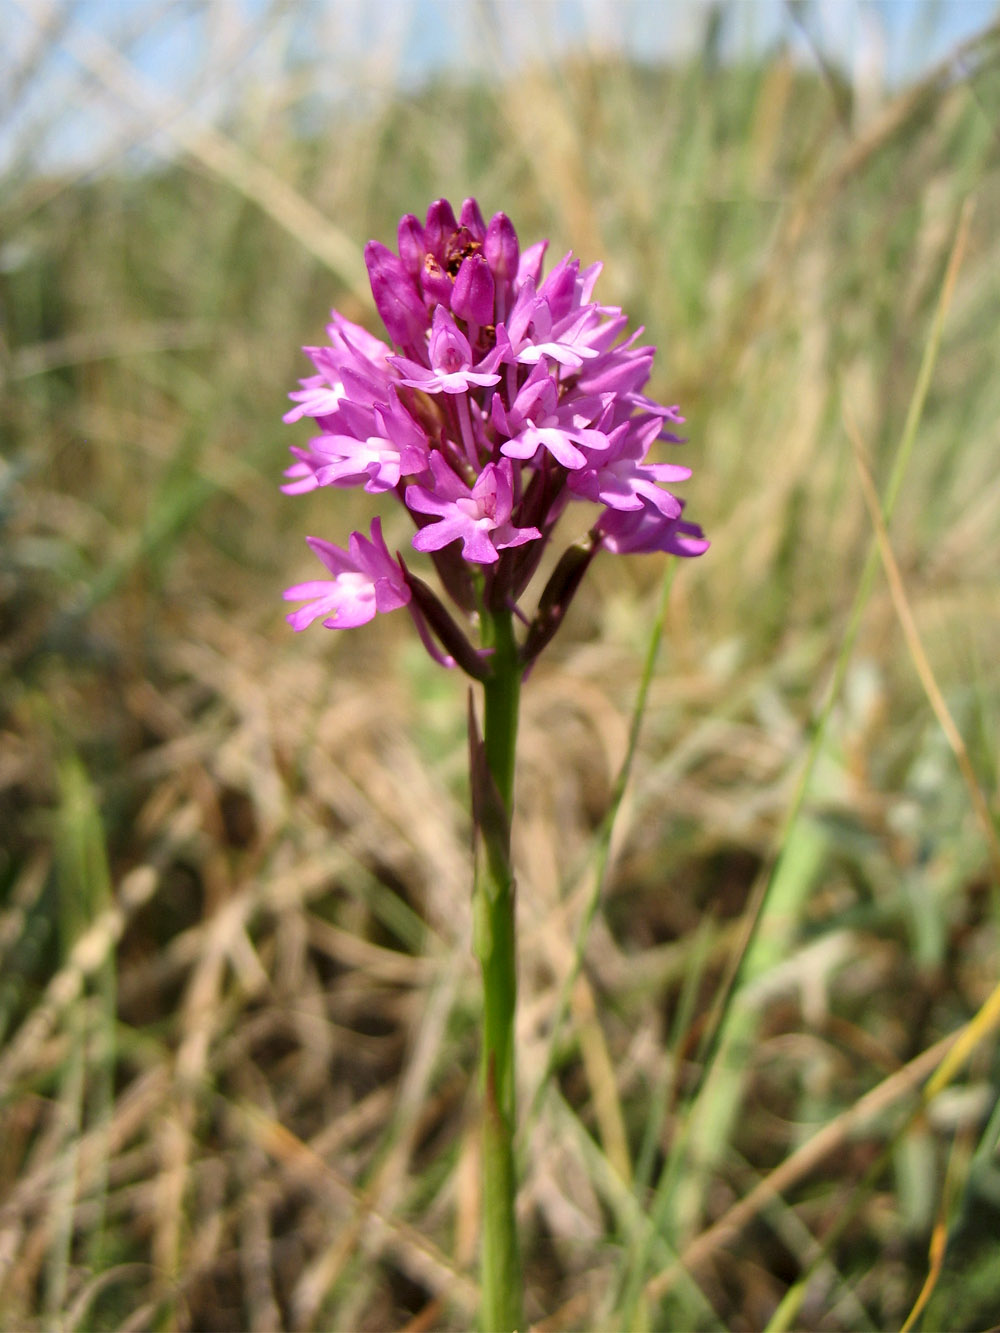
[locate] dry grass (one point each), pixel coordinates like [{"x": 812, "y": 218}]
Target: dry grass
[{"x": 238, "y": 1002}]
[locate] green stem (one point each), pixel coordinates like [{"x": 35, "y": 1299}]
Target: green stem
[{"x": 495, "y": 947}]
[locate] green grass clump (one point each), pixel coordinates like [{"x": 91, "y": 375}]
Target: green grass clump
[{"x": 238, "y": 1005}]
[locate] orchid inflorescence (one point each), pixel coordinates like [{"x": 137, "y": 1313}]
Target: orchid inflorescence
[{"x": 505, "y": 397}]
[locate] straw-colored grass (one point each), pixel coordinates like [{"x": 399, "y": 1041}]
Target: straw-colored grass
[{"x": 237, "y": 999}]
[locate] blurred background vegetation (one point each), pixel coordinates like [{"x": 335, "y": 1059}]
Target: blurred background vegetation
[{"x": 237, "y": 1001}]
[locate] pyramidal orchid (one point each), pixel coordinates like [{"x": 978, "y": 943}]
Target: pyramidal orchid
[{"x": 501, "y": 399}]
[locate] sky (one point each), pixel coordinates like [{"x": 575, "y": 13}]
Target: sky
[{"x": 56, "y": 113}]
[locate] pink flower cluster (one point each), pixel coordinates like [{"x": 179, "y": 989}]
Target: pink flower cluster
[{"x": 504, "y": 397}]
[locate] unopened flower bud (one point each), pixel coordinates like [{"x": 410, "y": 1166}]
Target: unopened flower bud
[
  {"x": 559, "y": 287},
  {"x": 472, "y": 219},
  {"x": 557, "y": 595},
  {"x": 411, "y": 244},
  {"x": 472, "y": 298},
  {"x": 500, "y": 248},
  {"x": 440, "y": 226},
  {"x": 396, "y": 300},
  {"x": 472, "y": 661},
  {"x": 435, "y": 283}
]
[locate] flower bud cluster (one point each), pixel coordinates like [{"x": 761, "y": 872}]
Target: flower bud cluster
[{"x": 505, "y": 397}]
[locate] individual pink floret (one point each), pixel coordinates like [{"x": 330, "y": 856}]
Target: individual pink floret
[
  {"x": 647, "y": 530},
  {"x": 451, "y": 368},
  {"x": 479, "y": 517},
  {"x": 537, "y": 419},
  {"x": 394, "y": 447},
  {"x": 366, "y": 579}
]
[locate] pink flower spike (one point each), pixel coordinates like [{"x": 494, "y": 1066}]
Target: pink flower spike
[
  {"x": 500, "y": 399},
  {"x": 472, "y": 297}
]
